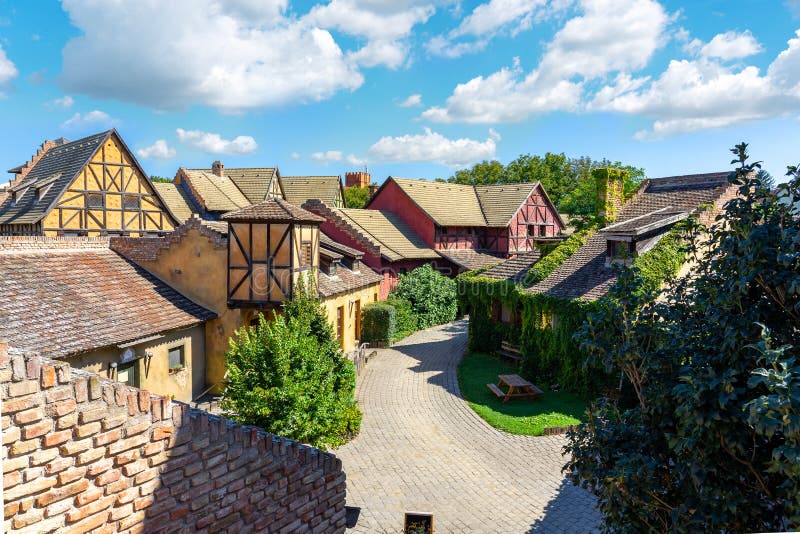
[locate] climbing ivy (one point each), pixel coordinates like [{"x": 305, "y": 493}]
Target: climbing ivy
[{"x": 557, "y": 256}]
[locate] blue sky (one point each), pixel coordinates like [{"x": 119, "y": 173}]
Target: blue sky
[{"x": 412, "y": 88}]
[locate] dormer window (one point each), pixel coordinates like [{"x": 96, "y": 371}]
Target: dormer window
[
  {"x": 356, "y": 265},
  {"x": 332, "y": 269}
]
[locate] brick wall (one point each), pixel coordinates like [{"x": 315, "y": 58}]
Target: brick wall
[
  {"x": 82, "y": 453},
  {"x": 13, "y": 243}
]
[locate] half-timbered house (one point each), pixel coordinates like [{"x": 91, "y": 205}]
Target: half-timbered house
[{"x": 90, "y": 187}]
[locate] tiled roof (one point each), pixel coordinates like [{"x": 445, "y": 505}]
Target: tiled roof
[
  {"x": 470, "y": 259},
  {"x": 346, "y": 280},
  {"x": 58, "y": 166},
  {"x": 299, "y": 189},
  {"x": 338, "y": 247},
  {"x": 645, "y": 223},
  {"x": 176, "y": 199},
  {"x": 385, "y": 229},
  {"x": 500, "y": 202},
  {"x": 63, "y": 301},
  {"x": 447, "y": 204},
  {"x": 215, "y": 193},
  {"x": 514, "y": 269},
  {"x": 252, "y": 182},
  {"x": 274, "y": 209},
  {"x": 585, "y": 276}
]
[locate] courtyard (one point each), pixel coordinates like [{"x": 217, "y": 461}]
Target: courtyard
[{"x": 421, "y": 448}]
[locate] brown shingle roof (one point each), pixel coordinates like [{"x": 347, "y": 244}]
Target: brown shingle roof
[
  {"x": 252, "y": 182},
  {"x": 300, "y": 189},
  {"x": 470, "y": 259},
  {"x": 274, "y": 209},
  {"x": 514, "y": 269},
  {"x": 59, "y": 166},
  {"x": 63, "y": 301},
  {"x": 395, "y": 238},
  {"x": 347, "y": 280},
  {"x": 176, "y": 200},
  {"x": 338, "y": 247},
  {"x": 214, "y": 193},
  {"x": 585, "y": 276}
]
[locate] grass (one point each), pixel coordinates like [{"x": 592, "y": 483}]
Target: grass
[{"x": 518, "y": 416}]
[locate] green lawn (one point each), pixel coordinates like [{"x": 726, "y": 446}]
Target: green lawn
[{"x": 518, "y": 416}]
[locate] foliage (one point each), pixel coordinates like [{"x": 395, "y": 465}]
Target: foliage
[
  {"x": 710, "y": 437},
  {"x": 356, "y": 197},
  {"x": 288, "y": 376},
  {"x": 431, "y": 294},
  {"x": 765, "y": 179},
  {"x": 379, "y": 323},
  {"x": 567, "y": 181},
  {"x": 554, "y": 259},
  {"x": 405, "y": 319},
  {"x": 161, "y": 179},
  {"x": 553, "y": 409}
]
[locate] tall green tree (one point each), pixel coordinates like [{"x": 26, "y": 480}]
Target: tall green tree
[
  {"x": 707, "y": 434},
  {"x": 288, "y": 376},
  {"x": 432, "y": 296},
  {"x": 356, "y": 197}
]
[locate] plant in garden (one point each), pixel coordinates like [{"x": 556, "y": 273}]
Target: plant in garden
[
  {"x": 289, "y": 376},
  {"x": 431, "y": 294},
  {"x": 708, "y": 435},
  {"x": 405, "y": 318}
]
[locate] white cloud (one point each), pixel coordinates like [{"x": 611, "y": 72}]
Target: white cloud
[
  {"x": 704, "y": 93},
  {"x": 609, "y": 36},
  {"x": 731, "y": 45},
  {"x": 158, "y": 150},
  {"x": 95, "y": 119},
  {"x": 212, "y": 143},
  {"x": 353, "y": 160},
  {"x": 327, "y": 156},
  {"x": 64, "y": 102},
  {"x": 8, "y": 70},
  {"x": 230, "y": 54},
  {"x": 412, "y": 101},
  {"x": 434, "y": 147},
  {"x": 295, "y": 155}
]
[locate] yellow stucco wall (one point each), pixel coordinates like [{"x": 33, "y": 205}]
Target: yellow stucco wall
[
  {"x": 112, "y": 171},
  {"x": 348, "y": 301},
  {"x": 153, "y": 372}
]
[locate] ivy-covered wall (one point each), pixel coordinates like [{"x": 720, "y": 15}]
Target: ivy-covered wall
[{"x": 544, "y": 326}]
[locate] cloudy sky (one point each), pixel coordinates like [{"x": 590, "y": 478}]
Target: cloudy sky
[{"x": 413, "y": 88}]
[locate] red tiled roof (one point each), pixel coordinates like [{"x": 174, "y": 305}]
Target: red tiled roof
[{"x": 62, "y": 301}]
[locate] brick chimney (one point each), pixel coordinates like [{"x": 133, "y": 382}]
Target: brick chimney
[
  {"x": 217, "y": 167},
  {"x": 357, "y": 179},
  {"x": 610, "y": 192}
]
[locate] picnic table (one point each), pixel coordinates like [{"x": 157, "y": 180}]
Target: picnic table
[{"x": 515, "y": 386}]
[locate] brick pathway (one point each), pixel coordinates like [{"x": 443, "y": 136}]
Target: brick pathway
[{"x": 422, "y": 448}]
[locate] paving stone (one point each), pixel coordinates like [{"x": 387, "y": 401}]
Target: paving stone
[{"x": 422, "y": 448}]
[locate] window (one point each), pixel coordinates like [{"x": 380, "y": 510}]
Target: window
[
  {"x": 332, "y": 268},
  {"x": 126, "y": 373},
  {"x": 95, "y": 200},
  {"x": 305, "y": 253},
  {"x": 358, "y": 319},
  {"x": 554, "y": 321},
  {"x": 376, "y": 297},
  {"x": 176, "y": 358},
  {"x": 356, "y": 266},
  {"x": 533, "y": 230},
  {"x": 340, "y": 325},
  {"x": 130, "y": 202}
]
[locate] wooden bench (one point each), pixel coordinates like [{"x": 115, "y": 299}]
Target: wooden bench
[
  {"x": 507, "y": 350},
  {"x": 499, "y": 393}
]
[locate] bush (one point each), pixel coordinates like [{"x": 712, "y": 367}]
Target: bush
[
  {"x": 405, "y": 320},
  {"x": 379, "y": 323},
  {"x": 431, "y": 294},
  {"x": 289, "y": 377},
  {"x": 557, "y": 256}
]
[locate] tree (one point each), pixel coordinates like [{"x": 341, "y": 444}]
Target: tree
[
  {"x": 289, "y": 376},
  {"x": 356, "y": 197},
  {"x": 706, "y": 435},
  {"x": 431, "y": 294},
  {"x": 154, "y": 178},
  {"x": 765, "y": 179}
]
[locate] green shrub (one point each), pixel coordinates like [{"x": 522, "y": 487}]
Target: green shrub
[
  {"x": 557, "y": 256},
  {"x": 432, "y": 296},
  {"x": 405, "y": 320},
  {"x": 379, "y": 323},
  {"x": 289, "y": 377}
]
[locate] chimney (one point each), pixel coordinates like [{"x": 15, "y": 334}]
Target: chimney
[
  {"x": 610, "y": 192},
  {"x": 357, "y": 179},
  {"x": 217, "y": 167}
]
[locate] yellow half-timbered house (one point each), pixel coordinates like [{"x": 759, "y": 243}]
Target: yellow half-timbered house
[{"x": 90, "y": 187}]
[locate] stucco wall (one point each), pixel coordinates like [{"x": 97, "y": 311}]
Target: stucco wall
[{"x": 347, "y": 301}]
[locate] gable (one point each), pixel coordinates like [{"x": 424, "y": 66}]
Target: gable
[{"x": 298, "y": 190}]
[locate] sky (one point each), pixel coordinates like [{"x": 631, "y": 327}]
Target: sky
[{"x": 413, "y": 88}]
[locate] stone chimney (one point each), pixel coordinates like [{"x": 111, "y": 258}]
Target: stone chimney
[
  {"x": 357, "y": 179},
  {"x": 610, "y": 192},
  {"x": 217, "y": 167}
]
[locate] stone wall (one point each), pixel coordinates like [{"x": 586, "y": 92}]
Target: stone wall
[{"x": 82, "y": 453}]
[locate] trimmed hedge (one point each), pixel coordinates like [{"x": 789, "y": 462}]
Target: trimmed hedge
[
  {"x": 405, "y": 321},
  {"x": 379, "y": 323}
]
